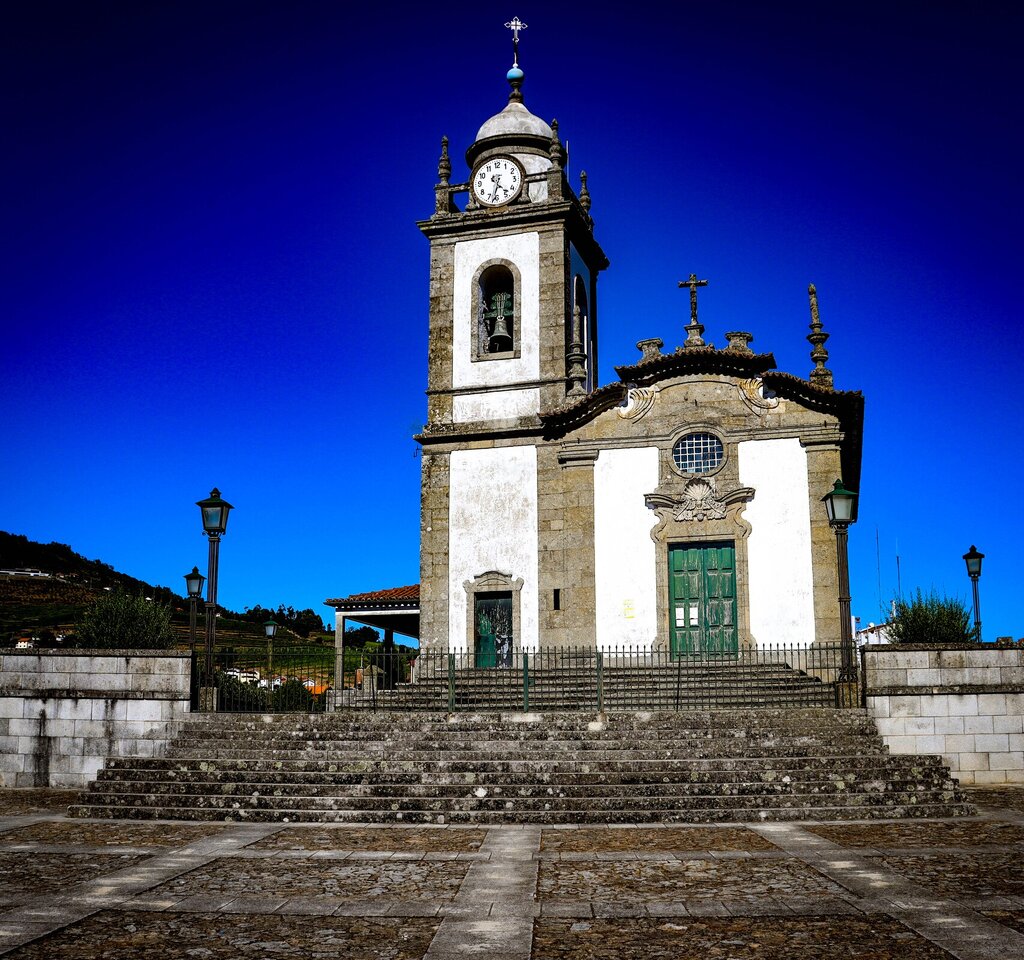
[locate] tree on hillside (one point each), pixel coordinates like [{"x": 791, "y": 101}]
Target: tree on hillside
[
  {"x": 360, "y": 636},
  {"x": 121, "y": 621},
  {"x": 300, "y": 622}
]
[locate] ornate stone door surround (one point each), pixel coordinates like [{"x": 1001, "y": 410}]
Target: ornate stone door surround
[
  {"x": 695, "y": 510},
  {"x": 494, "y": 581}
]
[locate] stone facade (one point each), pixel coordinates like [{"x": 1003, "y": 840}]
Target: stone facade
[
  {"x": 62, "y": 714},
  {"x": 965, "y": 704},
  {"x": 586, "y": 474}
]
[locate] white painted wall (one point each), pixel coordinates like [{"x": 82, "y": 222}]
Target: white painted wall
[
  {"x": 779, "y": 549},
  {"x": 492, "y": 525},
  {"x": 522, "y": 249},
  {"x": 624, "y": 553},
  {"x": 534, "y": 164},
  {"x": 495, "y": 405}
]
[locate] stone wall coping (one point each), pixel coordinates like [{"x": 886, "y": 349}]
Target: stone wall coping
[
  {"x": 65, "y": 693},
  {"x": 929, "y": 647},
  {"x": 95, "y": 652},
  {"x": 952, "y": 690}
]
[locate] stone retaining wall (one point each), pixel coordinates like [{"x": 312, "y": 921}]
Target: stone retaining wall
[
  {"x": 62, "y": 714},
  {"x": 966, "y": 704}
]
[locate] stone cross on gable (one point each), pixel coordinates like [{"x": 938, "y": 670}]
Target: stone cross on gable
[
  {"x": 693, "y": 328},
  {"x": 693, "y": 283},
  {"x": 515, "y": 25}
]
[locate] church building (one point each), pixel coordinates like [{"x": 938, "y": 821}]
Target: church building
[{"x": 677, "y": 509}]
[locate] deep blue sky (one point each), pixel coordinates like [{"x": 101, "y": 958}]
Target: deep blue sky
[{"x": 212, "y": 274}]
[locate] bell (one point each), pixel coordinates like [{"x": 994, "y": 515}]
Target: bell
[{"x": 501, "y": 339}]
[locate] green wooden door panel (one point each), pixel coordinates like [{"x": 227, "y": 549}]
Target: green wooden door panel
[
  {"x": 702, "y": 599},
  {"x": 492, "y": 641}
]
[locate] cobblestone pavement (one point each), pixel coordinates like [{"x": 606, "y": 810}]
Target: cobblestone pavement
[{"x": 908, "y": 890}]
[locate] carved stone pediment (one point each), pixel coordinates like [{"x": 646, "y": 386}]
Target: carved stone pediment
[
  {"x": 493, "y": 580},
  {"x": 699, "y": 501}
]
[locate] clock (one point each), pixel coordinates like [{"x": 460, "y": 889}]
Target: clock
[{"x": 497, "y": 181}]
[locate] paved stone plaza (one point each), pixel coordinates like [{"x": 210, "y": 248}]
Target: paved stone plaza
[{"x": 913, "y": 890}]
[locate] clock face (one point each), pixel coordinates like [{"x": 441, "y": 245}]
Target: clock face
[{"x": 497, "y": 181}]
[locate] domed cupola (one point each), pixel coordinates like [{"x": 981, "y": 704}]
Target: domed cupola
[{"x": 516, "y": 132}]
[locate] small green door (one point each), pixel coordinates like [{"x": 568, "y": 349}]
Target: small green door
[
  {"x": 702, "y": 598},
  {"x": 492, "y": 643}
]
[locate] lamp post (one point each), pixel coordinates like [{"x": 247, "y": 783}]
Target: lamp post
[
  {"x": 194, "y": 585},
  {"x": 973, "y": 560},
  {"x": 839, "y": 505},
  {"x": 215, "y": 520},
  {"x": 270, "y": 629}
]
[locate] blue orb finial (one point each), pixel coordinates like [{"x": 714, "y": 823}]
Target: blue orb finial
[{"x": 515, "y": 73}]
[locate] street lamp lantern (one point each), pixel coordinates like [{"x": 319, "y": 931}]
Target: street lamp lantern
[
  {"x": 839, "y": 504},
  {"x": 973, "y": 560},
  {"x": 215, "y": 521},
  {"x": 194, "y": 583},
  {"x": 270, "y": 629},
  {"x": 215, "y": 513}
]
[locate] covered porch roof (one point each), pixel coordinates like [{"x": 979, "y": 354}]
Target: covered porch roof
[{"x": 397, "y": 609}]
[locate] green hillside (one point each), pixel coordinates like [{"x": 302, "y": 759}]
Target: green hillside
[{"x": 34, "y": 606}]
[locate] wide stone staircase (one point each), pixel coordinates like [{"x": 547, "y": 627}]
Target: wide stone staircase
[
  {"x": 627, "y": 767},
  {"x": 573, "y": 681}
]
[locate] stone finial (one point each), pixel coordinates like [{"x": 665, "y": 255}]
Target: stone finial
[
  {"x": 584, "y": 192},
  {"x": 556, "y": 151},
  {"x": 820, "y": 376},
  {"x": 576, "y": 357},
  {"x": 650, "y": 349},
  {"x": 738, "y": 342},
  {"x": 442, "y": 192},
  {"x": 444, "y": 165}
]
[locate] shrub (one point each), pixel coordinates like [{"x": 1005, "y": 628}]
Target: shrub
[
  {"x": 931, "y": 619},
  {"x": 292, "y": 695},
  {"x": 234, "y": 694},
  {"x": 122, "y": 621}
]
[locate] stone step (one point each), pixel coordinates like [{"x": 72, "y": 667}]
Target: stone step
[
  {"x": 718, "y": 814},
  {"x": 550, "y": 805},
  {"x": 600, "y": 793},
  {"x": 676, "y": 766},
  {"x": 583, "y": 754},
  {"x": 516, "y": 719},
  {"x": 559, "y": 700},
  {"x": 655, "y": 775},
  {"x": 525, "y": 733}
]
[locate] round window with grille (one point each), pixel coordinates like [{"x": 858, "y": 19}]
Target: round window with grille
[{"x": 698, "y": 453}]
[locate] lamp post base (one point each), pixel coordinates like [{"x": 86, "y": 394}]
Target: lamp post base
[
  {"x": 847, "y": 694},
  {"x": 207, "y": 699}
]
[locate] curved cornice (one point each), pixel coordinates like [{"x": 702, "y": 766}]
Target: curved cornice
[{"x": 696, "y": 360}]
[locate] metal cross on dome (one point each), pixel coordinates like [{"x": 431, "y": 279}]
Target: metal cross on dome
[{"x": 515, "y": 25}]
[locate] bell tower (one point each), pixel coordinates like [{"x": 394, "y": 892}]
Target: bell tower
[{"x": 513, "y": 278}]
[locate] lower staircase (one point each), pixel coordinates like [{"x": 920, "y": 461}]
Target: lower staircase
[{"x": 635, "y": 767}]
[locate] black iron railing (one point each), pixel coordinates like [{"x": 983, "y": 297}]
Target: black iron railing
[{"x": 318, "y": 678}]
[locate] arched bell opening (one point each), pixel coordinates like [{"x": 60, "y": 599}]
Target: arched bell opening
[{"x": 497, "y": 320}]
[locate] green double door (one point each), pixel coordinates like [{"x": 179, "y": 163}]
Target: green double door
[{"x": 702, "y": 598}]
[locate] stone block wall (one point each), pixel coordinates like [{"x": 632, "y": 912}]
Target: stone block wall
[
  {"x": 965, "y": 704},
  {"x": 62, "y": 714}
]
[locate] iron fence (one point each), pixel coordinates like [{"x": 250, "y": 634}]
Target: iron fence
[{"x": 318, "y": 678}]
